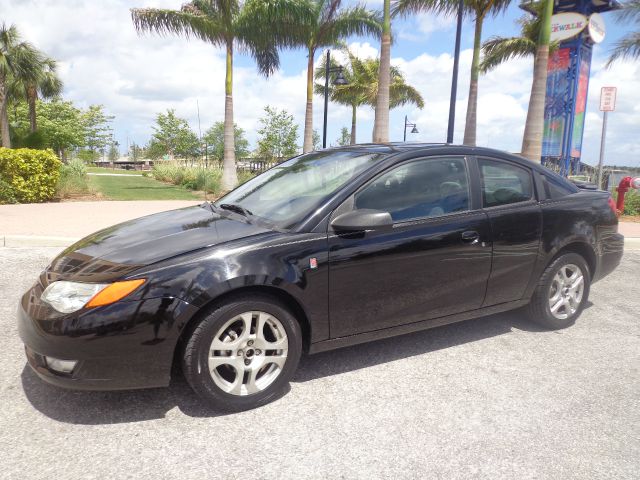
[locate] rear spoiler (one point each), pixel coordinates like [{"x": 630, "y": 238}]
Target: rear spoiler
[{"x": 583, "y": 185}]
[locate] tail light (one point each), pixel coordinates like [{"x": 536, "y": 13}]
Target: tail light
[{"x": 612, "y": 205}]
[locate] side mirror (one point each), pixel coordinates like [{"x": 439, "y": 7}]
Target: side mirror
[{"x": 363, "y": 219}]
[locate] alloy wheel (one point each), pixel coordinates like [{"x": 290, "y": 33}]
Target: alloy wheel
[
  {"x": 567, "y": 289},
  {"x": 248, "y": 353}
]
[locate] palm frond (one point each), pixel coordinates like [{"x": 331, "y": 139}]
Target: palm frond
[
  {"x": 186, "y": 23},
  {"x": 347, "y": 22},
  {"x": 627, "y": 47},
  {"x": 402, "y": 94},
  {"x": 404, "y": 8},
  {"x": 629, "y": 13},
  {"x": 498, "y": 50}
]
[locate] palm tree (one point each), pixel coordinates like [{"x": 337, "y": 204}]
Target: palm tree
[
  {"x": 319, "y": 24},
  {"x": 362, "y": 87},
  {"x": 629, "y": 45},
  {"x": 479, "y": 9},
  {"x": 18, "y": 60},
  {"x": 534, "y": 126},
  {"x": 42, "y": 83},
  {"x": 229, "y": 24},
  {"x": 381, "y": 121}
]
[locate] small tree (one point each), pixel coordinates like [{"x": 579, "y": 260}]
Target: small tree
[
  {"x": 278, "y": 136},
  {"x": 214, "y": 138},
  {"x": 98, "y": 134},
  {"x": 113, "y": 152},
  {"x": 344, "y": 138},
  {"x": 62, "y": 126},
  {"x": 316, "y": 140},
  {"x": 173, "y": 136}
]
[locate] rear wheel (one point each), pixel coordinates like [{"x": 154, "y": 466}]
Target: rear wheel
[
  {"x": 561, "y": 293},
  {"x": 243, "y": 353}
]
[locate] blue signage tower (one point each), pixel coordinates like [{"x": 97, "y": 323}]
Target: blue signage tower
[{"x": 577, "y": 29}]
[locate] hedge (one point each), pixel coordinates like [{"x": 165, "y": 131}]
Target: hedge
[{"x": 28, "y": 175}]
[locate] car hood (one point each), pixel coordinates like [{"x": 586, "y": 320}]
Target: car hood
[{"x": 118, "y": 250}]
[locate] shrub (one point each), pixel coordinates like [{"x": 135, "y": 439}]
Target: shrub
[
  {"x": 632, "y": 203},
  {"x": 30, "y": 174},
  {"x": 73, "y": 179},
  {"x": 193, "y": 178},
  {"x": 7, "y": 194}
]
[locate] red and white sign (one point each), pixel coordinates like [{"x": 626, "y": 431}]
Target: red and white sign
[{"x": 608, "y": 99}]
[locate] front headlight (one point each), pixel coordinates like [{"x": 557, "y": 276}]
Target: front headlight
[{"x": 68, "y": 297}]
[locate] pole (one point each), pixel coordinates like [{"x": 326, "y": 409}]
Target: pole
[
  {"x": 326, "y": 99},
  {"x": 602, "y": 140},
  {"x": 405, "y": 129},
  {"x": 454, "y": 79}
]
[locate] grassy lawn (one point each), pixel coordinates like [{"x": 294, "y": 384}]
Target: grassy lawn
[
  {"x": 139, "y": 188},
  {"x": 113, "y": 170}
]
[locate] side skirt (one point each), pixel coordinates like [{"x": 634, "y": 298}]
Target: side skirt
[{"x": 340, "y": 342}]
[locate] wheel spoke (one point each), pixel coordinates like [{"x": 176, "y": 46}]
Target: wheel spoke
[
  {"x": 557, "y": 305},
  {"x": 576, "y": 283},
  {"x": 251, "y": 386},
  {"x": 224, "y": 346},
  {"x": 215, "y": 361}
]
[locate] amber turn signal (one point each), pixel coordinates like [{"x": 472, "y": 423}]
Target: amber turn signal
[{"x": 114, "y": 292}]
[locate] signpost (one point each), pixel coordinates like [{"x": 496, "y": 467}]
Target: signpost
[{"x": 607, "y": 104}]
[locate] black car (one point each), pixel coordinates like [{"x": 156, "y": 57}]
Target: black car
[{"x": 325, "y": 250}]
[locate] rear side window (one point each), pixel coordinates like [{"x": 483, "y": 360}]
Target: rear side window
[
  {"x": 557, "y": 187},
  {"x": 504, "y": 183}
]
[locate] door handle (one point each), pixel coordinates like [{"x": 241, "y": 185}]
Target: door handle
[{"x": 471, "y": 237}]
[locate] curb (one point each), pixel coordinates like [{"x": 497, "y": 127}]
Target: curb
[{"x": 16, "y": 241}]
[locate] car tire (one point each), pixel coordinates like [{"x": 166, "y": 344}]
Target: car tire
[
  {"x": 560, "y": 295},
  {"x": 250, "y": 367}
]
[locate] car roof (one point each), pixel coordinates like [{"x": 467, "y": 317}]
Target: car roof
[{"x": 407, "y": 147}]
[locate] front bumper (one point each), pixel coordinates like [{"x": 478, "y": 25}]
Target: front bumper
[{"x": 121, "y": 346}]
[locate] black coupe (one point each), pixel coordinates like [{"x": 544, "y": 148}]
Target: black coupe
[{"x": 325, "y": 250}]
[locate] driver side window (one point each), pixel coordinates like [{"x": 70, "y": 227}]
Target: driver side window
[{"x": 419, "y": 189}]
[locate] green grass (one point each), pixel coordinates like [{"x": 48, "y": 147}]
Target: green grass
[
  {"x": 113, "y": 170},
  {"x": 139, "y": 188}
]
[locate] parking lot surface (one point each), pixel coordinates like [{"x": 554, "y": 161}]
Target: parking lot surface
[{"x": 489, "y": 398}]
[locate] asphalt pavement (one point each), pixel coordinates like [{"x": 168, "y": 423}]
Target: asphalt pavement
[{"x": 489, "y": 398}]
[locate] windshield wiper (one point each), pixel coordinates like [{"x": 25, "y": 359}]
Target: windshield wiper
[{"x": 233, "y": 207}]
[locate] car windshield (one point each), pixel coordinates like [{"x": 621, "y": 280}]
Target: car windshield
[{"x": 286, "y": 193}]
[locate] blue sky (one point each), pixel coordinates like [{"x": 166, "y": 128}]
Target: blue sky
[{"x": 103, "y": 60}]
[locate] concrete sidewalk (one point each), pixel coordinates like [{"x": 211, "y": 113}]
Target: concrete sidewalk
[{"x": 60, "y": 224}]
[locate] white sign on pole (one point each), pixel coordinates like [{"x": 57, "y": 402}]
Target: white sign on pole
[
  {"x": 608, "y": 99},
  {"x": 596, "y": 28},
  {"x": 566, "y": 25}
]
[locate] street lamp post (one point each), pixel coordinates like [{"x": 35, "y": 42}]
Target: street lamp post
[
  {"x": 409, "y": 124},
  {"x": 339, "y": 80},
  {"x": 454, "y": 79}
]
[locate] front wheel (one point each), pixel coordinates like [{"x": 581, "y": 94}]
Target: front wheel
[
  {"x": 561, "y": 293},
  {"x": 243, "y": 353}
]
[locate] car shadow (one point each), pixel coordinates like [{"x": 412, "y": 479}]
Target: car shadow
[{"x": 92, "y": 408}]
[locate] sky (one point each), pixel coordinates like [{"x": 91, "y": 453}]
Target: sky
[{"x": 102, "y": 60}]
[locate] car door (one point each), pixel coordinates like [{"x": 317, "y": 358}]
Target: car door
[
  {"x": 434, "y": 261},
  {"x": 509, "y": 200}
]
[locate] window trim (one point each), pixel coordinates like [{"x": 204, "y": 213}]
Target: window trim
[
  {"x": 533, "y": 200},
  {"x": 350, "y": 200}
]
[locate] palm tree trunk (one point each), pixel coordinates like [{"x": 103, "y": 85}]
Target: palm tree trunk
[
  {"x": 533, "y": 130},
  {"x": 381, "y": 123},
  {"x": 4, "y": 117},
  {"x": 229, "y": 174},
  {"x": 31, "y": 100},
  {"x": 307, "y": 144},
  {"x": 470, "y": 125},
  {"x": 353, "y": 125}
]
